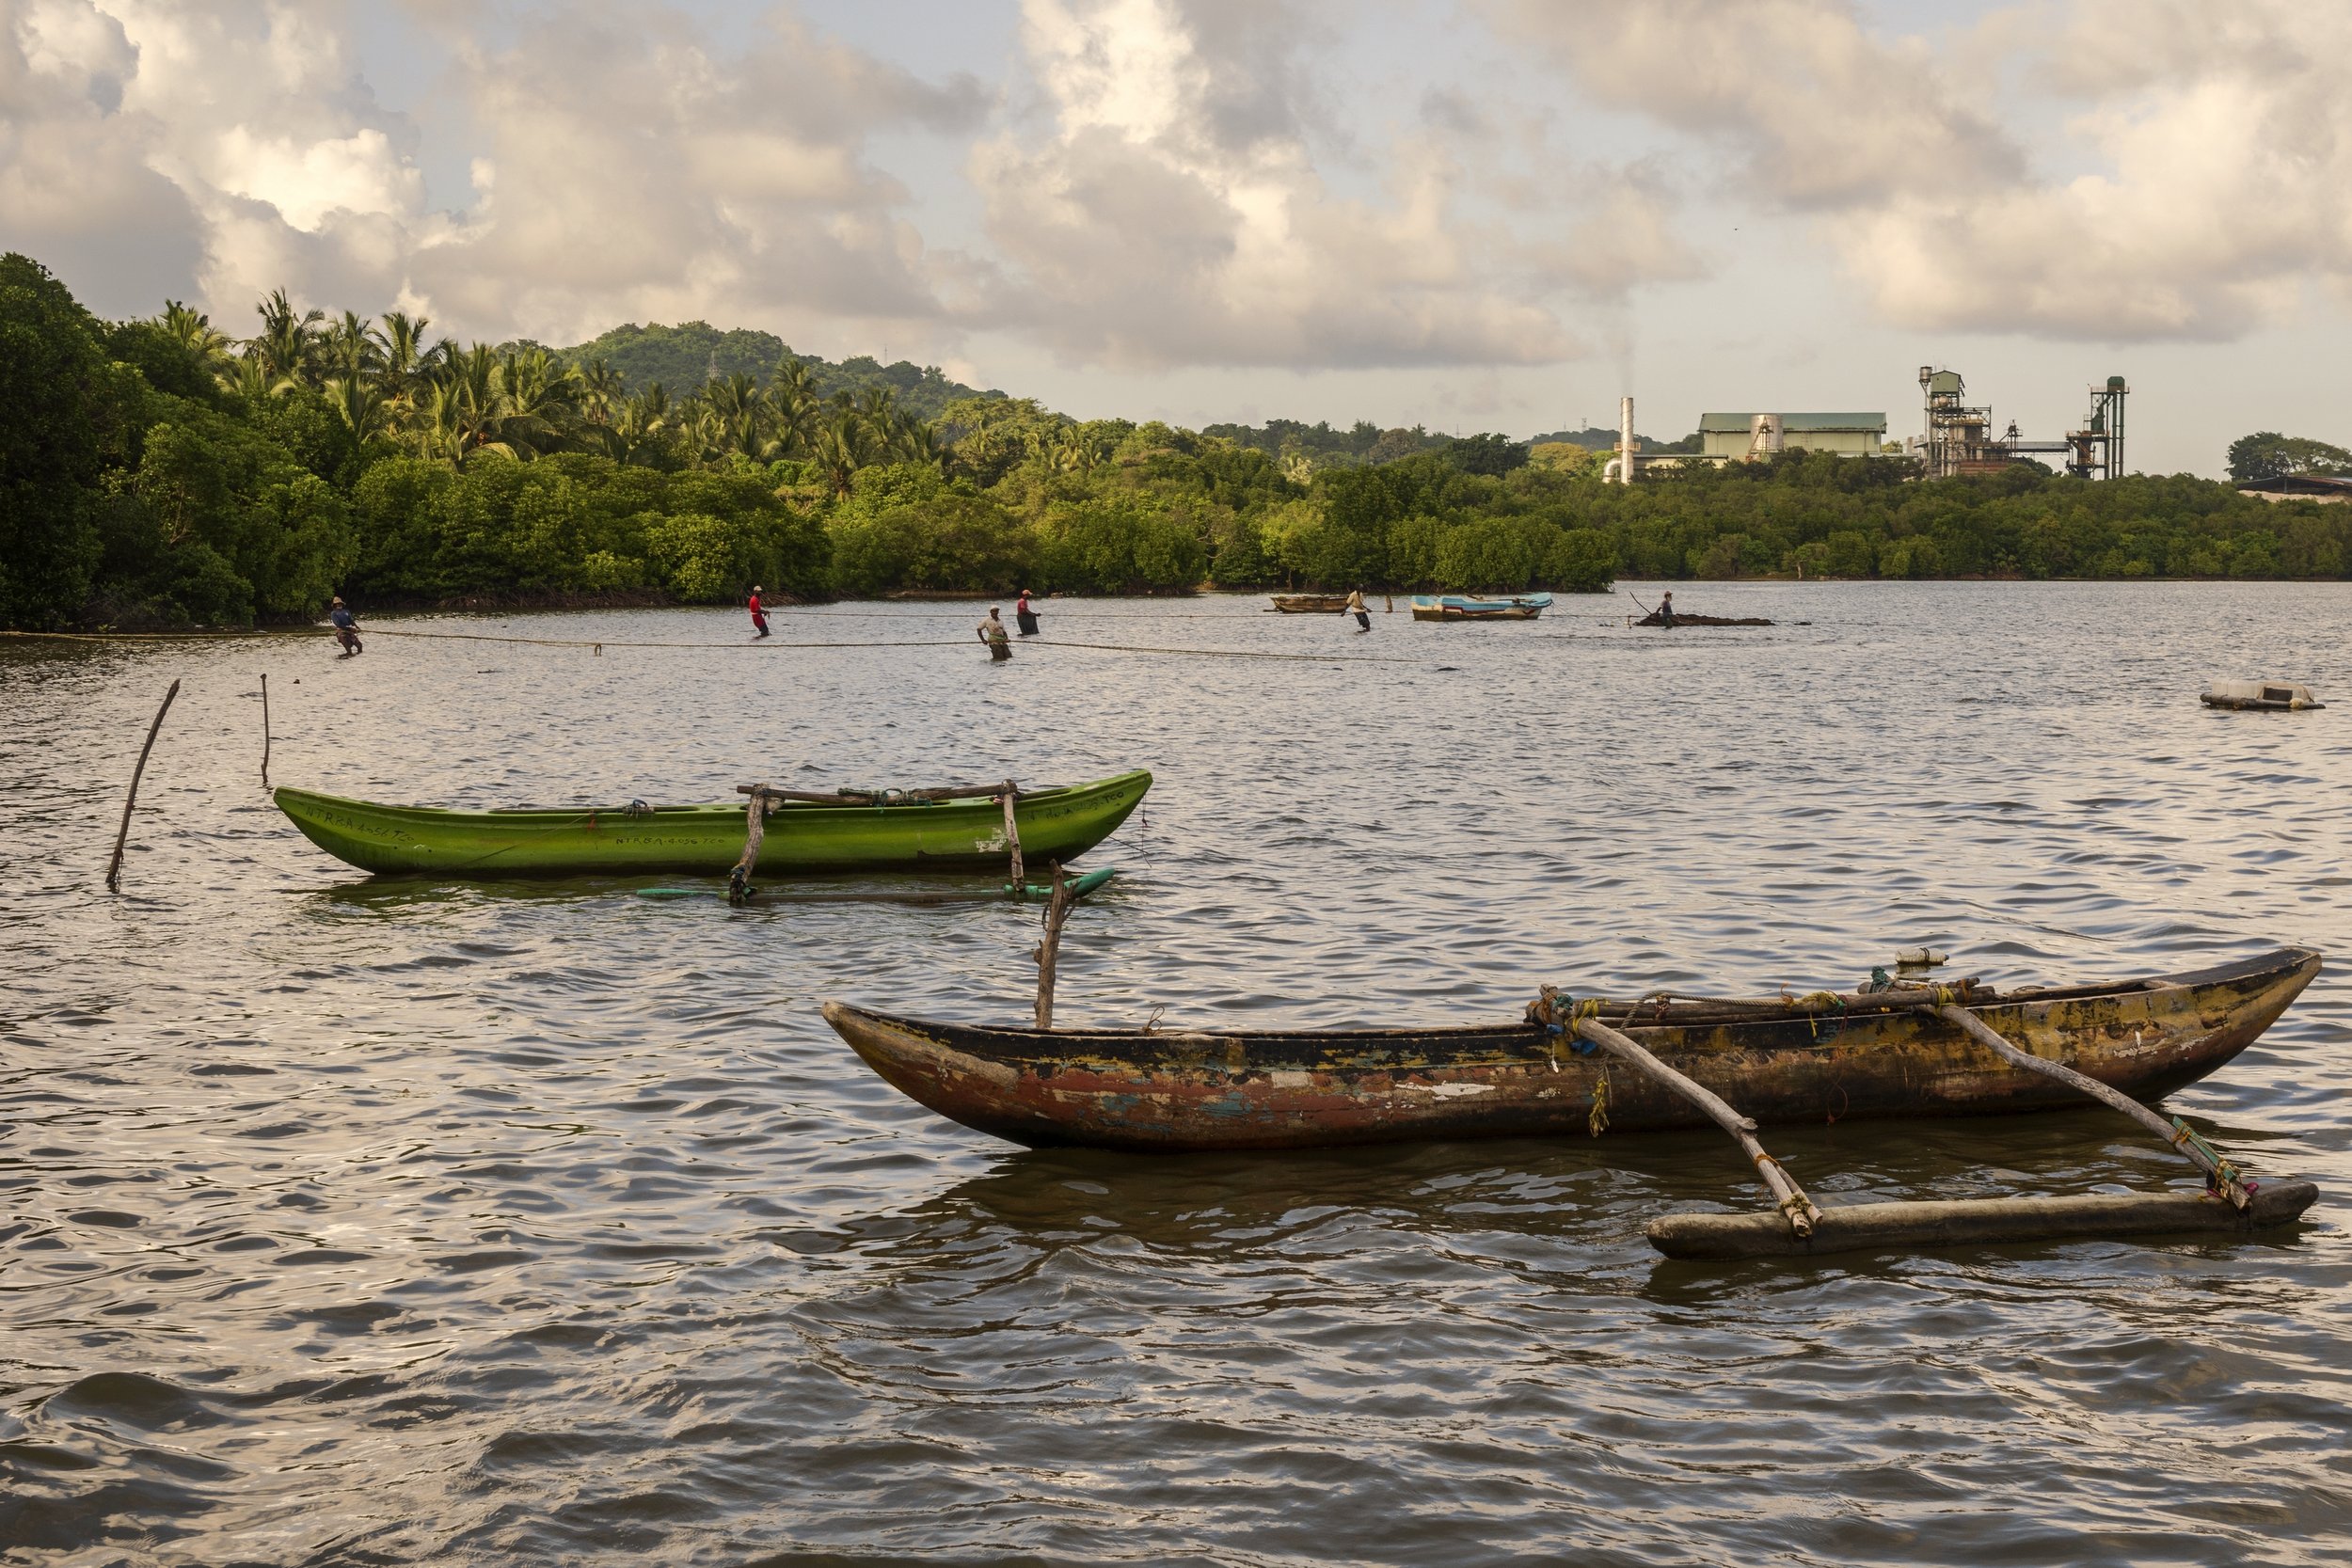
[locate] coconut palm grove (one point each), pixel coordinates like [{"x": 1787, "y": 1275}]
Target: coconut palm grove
[{"x": 166, "y": 472}]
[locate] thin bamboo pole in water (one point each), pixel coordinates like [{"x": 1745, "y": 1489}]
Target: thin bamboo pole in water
[{"x": 114, "y": 868}]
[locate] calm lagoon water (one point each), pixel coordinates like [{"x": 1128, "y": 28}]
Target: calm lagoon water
[{"x": 356, "y": 1221}]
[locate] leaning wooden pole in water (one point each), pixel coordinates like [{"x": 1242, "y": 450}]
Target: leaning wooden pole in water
[
  {"x": 266, "y": 731},
  {"x": 114, "y": 868},
  {"x": 1789, "y": 1197},
  {"x": 2222, "y": 1175},
  {"x": 1057, "y": 910}
]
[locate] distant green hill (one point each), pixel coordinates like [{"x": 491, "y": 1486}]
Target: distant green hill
[
  {"x": 682, "y": 357},
  {"x": 1593, "y": 438}
]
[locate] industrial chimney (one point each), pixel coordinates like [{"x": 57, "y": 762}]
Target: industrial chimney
[{"x": 1625, "y": 440}]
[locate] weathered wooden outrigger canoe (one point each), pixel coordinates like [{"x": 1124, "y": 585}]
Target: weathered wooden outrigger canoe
[
  {"x": 1804, "y": 1059},
  {"x": 960, "y": 833}
]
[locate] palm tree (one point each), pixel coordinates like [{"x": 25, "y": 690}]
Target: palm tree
[
  {"x": 351, "y": 347},
  {"x": 642, "y": 427},
  {"x": 913, "y": 440},
  {"x": 248, "y": 376},
  {"x": 438, "y": 425},
  {"x": 844, "y": 445},
  {"x": 194, "y": 331},
  {"x": 741, "y": 416},
  {"x": 601, "y": 391},
  {"x": 360, "y": 403},
  {"x": 404, "y": 350},
  {"x": 793, "y": 407},
  {"x": 532, "y": 405},
  {"x": 286, "y": 340}
]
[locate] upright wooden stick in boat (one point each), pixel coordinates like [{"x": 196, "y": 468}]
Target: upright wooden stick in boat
[
  {"x": 264, "y": 731},
  {"x": 1057, "y": 910},
  {"x": 1799, "y": 1209},
  {"x": 2219, "y": 1173},
  {"x": 754, "y": 828},
  {"x": 1012, "y": 834},
  {"x": 114, "y": 868}
]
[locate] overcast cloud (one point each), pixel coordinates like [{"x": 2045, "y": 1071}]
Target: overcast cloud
[{"x": 1493, "y": 190}]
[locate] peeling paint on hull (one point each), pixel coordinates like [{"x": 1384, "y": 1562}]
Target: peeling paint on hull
[{"x": 1290, "y": 1089}]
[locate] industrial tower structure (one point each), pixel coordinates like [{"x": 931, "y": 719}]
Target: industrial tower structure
[{"x": 1957, "y": 439}]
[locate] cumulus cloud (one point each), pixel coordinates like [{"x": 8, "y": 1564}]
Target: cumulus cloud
[
  {"x": 633, "y": 173},
  {"x": 623, "y": 168},
  {"x": 76, "y": 189},
  {"x": 2201, "y": 178},
  {"x": 1172, "y": 209}
]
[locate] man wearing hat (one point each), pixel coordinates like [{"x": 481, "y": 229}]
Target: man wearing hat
[
  {"x": 346, "y": 630},
  {"x": 760, "y": 616}
]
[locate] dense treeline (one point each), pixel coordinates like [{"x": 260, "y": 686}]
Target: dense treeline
[{"x": 158, "y": 472}]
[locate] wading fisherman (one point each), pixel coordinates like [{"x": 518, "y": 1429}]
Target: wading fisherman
[
  {"x": 992, "y": 633},
  {"x": 759, "y": 615},
  {"x": 1666, "y": 610},
  {"x": 1355, "y": 608},
  {"x": 346, "y": 630},
  {"x": 1023, "y": 616}
]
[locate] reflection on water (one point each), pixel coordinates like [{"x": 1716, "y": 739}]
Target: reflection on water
[{"x": 352, "y": 1220}]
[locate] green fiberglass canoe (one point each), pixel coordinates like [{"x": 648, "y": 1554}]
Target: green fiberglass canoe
[{"x": 965, "y": 832}]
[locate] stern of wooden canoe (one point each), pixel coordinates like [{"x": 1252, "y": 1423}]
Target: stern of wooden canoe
[{"x": 392, "y": 840}]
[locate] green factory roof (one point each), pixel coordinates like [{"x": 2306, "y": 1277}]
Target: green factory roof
[{"x": 1725, "y": 425}]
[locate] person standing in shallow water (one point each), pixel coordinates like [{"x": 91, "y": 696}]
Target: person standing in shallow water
[
  {"x": 346, "y": 630},
  {"x": 1355, "y": 608},
  {"x": 759, "y": 615},
  {"x": 1666, "y": 611},
  {"x": 1023, "y": 616},
  {"x": 994, "y": 634}
]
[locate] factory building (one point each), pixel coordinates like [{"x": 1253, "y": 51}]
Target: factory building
[
  {"x": 1736, "y": 437},
  {"x": 2327, "y": 489}
]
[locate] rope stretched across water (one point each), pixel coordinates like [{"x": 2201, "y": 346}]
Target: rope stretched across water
[{"x": 748, "y": 646}]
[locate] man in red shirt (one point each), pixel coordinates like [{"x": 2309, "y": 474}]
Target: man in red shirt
[{"x": 760, "y": 616}]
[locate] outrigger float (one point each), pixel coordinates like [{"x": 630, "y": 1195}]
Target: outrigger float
[{"x": 1910, "y": 1050}]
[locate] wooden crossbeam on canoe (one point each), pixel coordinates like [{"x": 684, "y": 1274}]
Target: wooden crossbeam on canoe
[{"x": 880, "y": 797}]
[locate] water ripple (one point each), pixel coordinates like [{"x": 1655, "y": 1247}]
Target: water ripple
[{"x": 394, "y": 1222}]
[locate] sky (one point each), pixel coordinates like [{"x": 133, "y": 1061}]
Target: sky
[{"x": 1470, "y": 214}]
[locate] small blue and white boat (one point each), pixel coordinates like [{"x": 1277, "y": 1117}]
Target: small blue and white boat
[{"x": 1470, "y": 607}]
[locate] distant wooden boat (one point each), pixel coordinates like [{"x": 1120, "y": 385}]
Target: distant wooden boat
[
  {"x": 956, "y": 830},
  {"x": 1467, "y": 607},
  {"x": 1655, "y": 618},
  {"x": 1310, "y": 604},
  {"x": 2273, "y": 696},
  {"x": 1797, "y": 1060}
]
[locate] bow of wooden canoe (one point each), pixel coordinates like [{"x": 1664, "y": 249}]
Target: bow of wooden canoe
[
  {"x": 965, "y": 834},
  {"x": 1185, "y": 1090}
]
